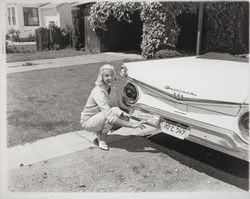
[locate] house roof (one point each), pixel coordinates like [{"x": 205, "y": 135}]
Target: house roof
[
  {"x": 54, "y": 4},
  {"x": 81, "y": 2},
  {"x": 29, "y": 1},
  {"x": 43, "y": 4},
  {"x": 51, "y": 5}
]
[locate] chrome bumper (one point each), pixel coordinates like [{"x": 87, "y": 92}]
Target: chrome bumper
[{"x": 214, "y": 137}]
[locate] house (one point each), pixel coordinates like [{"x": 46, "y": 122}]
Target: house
[
  {"x": 26, "y": 17},
  {"x": 56, "y": 13},
  {"x": 23, "y": 17}
]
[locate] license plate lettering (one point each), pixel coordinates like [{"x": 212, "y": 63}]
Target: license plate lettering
[
  {"x": 175, "y": 130},
  {"x": 166, "y": 126},
  {"x": 178, "y": 130},
  {"x": 151, "y": 119},
  {"x": 172, "y": 128}
]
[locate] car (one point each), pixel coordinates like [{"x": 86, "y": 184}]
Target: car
[{"x": 203, "y": 99}]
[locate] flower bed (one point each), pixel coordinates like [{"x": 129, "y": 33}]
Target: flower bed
[{"x": 20, "y": 47}]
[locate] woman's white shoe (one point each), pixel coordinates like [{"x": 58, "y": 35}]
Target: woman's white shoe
[{"x": 103, "y": 146}]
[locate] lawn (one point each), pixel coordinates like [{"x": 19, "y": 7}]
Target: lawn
[
  {"x": 48, "y": 102},
  {"x": 68, "y": 52}
]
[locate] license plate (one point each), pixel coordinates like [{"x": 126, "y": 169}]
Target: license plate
[
  {"x": 149, "y": 118},
  {"x": 174, "y": 129}
]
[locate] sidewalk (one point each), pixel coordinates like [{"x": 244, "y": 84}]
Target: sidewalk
[
  {"x": 64, "y": 144},
  {"x": 14, "y": 67}
]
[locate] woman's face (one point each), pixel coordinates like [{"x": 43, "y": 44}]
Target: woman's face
[{"x": 108, "y": 78}]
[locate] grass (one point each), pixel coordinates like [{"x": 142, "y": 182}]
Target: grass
[
  {"x": 48, "y": 102},
  {"x": 68, "y": 52}
]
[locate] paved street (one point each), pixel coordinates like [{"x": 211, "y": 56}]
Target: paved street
[{"x": 14, "y": 67}]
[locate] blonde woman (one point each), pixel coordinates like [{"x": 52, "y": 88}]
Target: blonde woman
[{"x": 97, "y": 115}]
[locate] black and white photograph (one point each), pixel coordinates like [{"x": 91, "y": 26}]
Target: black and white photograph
[{"x": 109, "y": 99}]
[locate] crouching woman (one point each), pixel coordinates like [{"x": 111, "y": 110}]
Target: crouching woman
[{"x": 97, "y": 115}]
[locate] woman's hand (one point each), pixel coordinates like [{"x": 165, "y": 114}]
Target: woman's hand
[
  {"x": 126, "y": 116},
  {"x": 139, "y": 124}
]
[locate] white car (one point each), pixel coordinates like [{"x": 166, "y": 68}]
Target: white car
[{"x": 195, "y": 98}]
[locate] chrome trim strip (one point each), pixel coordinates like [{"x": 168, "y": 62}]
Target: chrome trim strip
[
  {"x": 185, "y": 100},
  {"x": 193, "y": 123},
  {"x": 191, "y": 102},
  {"x": 240, "y": 153}
]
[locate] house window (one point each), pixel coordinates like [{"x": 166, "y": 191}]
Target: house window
[
  {"x": 11, "y": 16},
  {"x": 31, "y": 16}
]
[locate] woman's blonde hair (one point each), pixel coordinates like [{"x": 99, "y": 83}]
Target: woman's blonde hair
[{"x": 105, "y": 67}]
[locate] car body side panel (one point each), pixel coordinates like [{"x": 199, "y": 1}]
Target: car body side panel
[{"x": 196, "y": 78}]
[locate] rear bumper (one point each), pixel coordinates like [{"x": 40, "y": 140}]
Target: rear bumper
[{"x": 208, "y": 135}]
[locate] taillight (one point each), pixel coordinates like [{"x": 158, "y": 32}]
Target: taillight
[
  {"x": 131, "y": 92},
  {"x": 124, "y": 71},
  {"x": 244, "y": 125}
]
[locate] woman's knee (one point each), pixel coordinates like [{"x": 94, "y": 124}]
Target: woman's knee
[{"x": 95, "y": 123}]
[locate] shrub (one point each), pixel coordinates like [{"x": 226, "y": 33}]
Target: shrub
[
  {"x": 56, "y": 47},
  {"x": 13, "y": 35},
  {"x": 223, "y": 25},
  {"x": 160, "y": 29},
  {"x": 53, "y": 37},
  {"x": 167, "y": 54},
  {"x": 10, "y": 48},
  {"x": 28, "y": 64},
  {"x": 76, "y": 23},
  {"x": 100, "y": 13},
  {"x": 67, "y": 35},
  {"x": 57, "y": 37}
]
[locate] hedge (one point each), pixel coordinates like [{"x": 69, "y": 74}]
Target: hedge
[
  {"x": 53, "y": 37},
  {"x": 160, "y": 27},
  {"x": 223, "y": 30}
]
